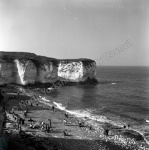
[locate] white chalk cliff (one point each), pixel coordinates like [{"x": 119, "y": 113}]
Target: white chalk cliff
[
  {"x": 76, "y": 71},
  {"x": 27, "y": 68}
]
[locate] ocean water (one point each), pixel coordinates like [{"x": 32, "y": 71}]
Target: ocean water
[{"x": 120, "y": 98}]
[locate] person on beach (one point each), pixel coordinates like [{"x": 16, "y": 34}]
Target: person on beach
[
  {"x": 18, "y": 96},
  {"x": 128, "y": 126},
  {"x": 42, "y": 128},
  {"x": 90, "y": 127},
  {"x": 37, "y": 103},
  {"x": 21, "y": 121},
  {"x": 12, "y": 111},
  {"x": 80, "y": 124},
  {"x": 106, "y": 131},
  {"x": 25, "y": 113},
  {"x": 31, "y": 120},
  {"x": 47, "y": 128},
  {"x": 53, "y": 108},
  {"x": 65, "y": 132},
  {"x": 64, "y": 121},
  {"x": 31, "y": 125},
  {"x": 42, "y": 123},
  {"x": 20, "y": 129},
  {"x": 50, "y": 121},
  {"x": 66, "y": 115}
]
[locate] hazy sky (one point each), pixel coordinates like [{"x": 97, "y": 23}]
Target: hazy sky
[{"x": 77, "y": 28}]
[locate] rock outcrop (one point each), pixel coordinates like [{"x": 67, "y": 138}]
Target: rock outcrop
[
  {"x": 27, "y": 68},
  {"x": 76, "y": 70}
]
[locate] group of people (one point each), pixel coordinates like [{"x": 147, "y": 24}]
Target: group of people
[
  {"x": 46, "y": 127},
  {"x": 19, "y": 120},
  {"x": 65, "y": 132}
]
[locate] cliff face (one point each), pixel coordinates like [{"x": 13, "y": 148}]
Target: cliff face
[
  {"x": 77, "y": 70},
  {"x": 28, "y": 68}
]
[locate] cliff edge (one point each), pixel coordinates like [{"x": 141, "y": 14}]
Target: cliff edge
[{"x": 24, "y": 68}]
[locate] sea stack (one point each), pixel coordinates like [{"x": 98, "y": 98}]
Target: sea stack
[{"x": 24, "y": 68}]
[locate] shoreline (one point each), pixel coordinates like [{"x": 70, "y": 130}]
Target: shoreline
[{"x": 77, "y": 133}]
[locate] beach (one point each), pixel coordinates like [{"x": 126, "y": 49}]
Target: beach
[{"x": 83, "y": 137}]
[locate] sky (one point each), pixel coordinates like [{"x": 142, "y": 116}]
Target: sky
[{"x": 67, "y": 29}]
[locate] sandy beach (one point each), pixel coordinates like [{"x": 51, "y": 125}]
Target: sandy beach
[{"x": 82, "y": 138}]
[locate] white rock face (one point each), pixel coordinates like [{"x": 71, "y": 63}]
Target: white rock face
[
  {"x": 47, "y": 73},
  {"x": 27, "y": 71},
  {"x": 76, "y": 71},
  {"x": 25, "y": 68}
]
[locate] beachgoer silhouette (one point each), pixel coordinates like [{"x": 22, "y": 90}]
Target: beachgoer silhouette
[
  {"x": 42, "y": 128},
  {"x": 64, "y": 122},
  {"x": 21, "y": 121},
  {"x": 66, "y": 115},
  {"x": 42, "y": 123},
  {"x": 37, "y": 104},
  {"x": 46, "y": 125},
  {"x": 18, "y": 95},
  {"x": 48, "y": 129},
  {"x": 31, "y": 119},
  {"x": 19, "y": 126},
  {"x": 80, "y": 124},
  {"x": 106, "y": 132},
  {"x": 65, "y": 132},
  {"x": 50, "y": 121},
  {"x": 90, "y": 127},
  {"x": 53, "y": 108},
  {"x": 25, "y": 113}
]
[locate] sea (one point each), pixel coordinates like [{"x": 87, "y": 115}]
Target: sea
[{"x": 120, "y": 98}]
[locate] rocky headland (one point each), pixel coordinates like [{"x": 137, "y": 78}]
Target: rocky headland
[{"x": 24, "y": 68}]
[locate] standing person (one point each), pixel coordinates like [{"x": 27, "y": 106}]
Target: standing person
[
  {"x": 90, "y": 127},
  {"x": 128, "y": 126},
  {"x": 106, "y": 131},
  {"x": 49, "y": 121},
  {"x": 42, "y": 123},
  {"x": 19, "y": 122},
  {"x": 20, "y": 129},
  {"x": 66, "y": 115},
  {"x": 53, "y": 108},
  {"x": 64, "y": 122},
  {"x": 48, "y": 129},
  {"x": 25, "y": 113},
  {"x": 18, "y": 96},
  {"x": 42, "y": 126}
]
